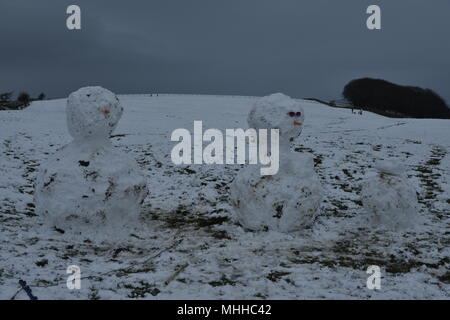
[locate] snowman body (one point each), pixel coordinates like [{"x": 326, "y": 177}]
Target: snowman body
[
  {"x": 388, "y": 198},
  {"x": 289, "y": 200},
  {"x": 88, "y": 188}
]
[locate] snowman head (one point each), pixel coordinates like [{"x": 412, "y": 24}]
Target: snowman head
[
  {"x": 92, "y": 113},
  {"x": 278, "y": 111},
  {"x": 389, "y": 168}
]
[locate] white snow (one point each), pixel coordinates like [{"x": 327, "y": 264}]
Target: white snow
[
  {"x": 389, "y": 199},
  {"x": 187, "y": 217}
]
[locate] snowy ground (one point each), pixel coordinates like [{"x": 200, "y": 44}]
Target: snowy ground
[{"x": 190, "y": 229}]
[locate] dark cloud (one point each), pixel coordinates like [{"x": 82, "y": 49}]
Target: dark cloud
[{"x": 254, "y": 47}]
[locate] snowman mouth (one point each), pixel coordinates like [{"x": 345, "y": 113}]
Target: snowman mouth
[{"x": 296, "y": 123}]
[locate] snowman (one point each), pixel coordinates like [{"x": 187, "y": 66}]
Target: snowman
[
  {"x": 388, "y": 198},
  {"x": 289, "y": 200},
  {"x": 88, "y": 188}
]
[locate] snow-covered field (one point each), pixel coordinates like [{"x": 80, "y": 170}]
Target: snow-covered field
[{"x": 192, "y": 247}]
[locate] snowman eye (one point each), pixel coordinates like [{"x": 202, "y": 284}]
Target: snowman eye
[
  {"x": 291, "y": 114},
  {"x": 298, "y": 114}
]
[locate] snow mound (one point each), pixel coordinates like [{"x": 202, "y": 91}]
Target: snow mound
[
  {"x": 389, "y": 200},
  {"x": 389, "y": 167}
]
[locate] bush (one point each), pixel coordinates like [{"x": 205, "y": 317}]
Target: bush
[
  {"x": 380, "y": 95},
  {"x": 24, "y": 98},
  {"x": 5, "y": 97}
]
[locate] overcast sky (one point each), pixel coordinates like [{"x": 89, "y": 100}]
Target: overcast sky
[{"x": 248, "y": 47}]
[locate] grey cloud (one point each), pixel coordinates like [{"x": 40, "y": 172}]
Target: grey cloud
[{"x": 254, "y": 47}]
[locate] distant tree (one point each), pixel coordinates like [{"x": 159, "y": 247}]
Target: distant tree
[
  {"x": 6, "y": 97},
  {"x": 389, "y": 98},
  {"x": 41, "y": 96},
  {"x": 24, "y": 98}
]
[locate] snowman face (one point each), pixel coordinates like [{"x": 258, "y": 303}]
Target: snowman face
[
  {"x": 292, "y": 124},
  {"x": 92, "y": 112},
  {"x": 389, "y": 167},
  {"x": 278, "y": 112}
]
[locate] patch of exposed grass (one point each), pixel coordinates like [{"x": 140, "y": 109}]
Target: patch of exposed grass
[
  {"x": 146, "y": 268},
  {"x": 275, "y": 276},
  {"x": 223, "y": 281},
  {"x": 142, "y": 290},
  {"x": 41, "y": 263}
]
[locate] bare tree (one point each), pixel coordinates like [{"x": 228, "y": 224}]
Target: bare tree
[{"x": 24, "y": 98}]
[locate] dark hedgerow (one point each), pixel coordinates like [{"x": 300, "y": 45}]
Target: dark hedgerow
[{"x": 383, "y": 96}]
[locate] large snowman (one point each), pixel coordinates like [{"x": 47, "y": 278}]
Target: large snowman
[
  {"x": 88, "y": 188},
  {"x": 287, "y": 201},
  {"x": 389, "y": 200}
]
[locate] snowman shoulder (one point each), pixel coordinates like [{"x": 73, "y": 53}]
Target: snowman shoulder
[{"x": 302, "y": 160}]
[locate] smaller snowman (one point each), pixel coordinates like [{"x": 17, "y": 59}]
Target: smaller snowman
[
  {"x": 289, "y": 200},
  {"x": 88, "y": 188},
  {"x": 388, "y": 198}
]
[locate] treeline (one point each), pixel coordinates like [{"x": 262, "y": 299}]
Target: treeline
[
  {"x": 22, "y": 100},
  {"x": 396, "y": 100}
]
